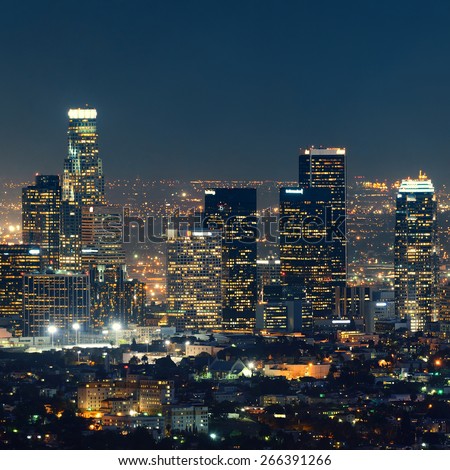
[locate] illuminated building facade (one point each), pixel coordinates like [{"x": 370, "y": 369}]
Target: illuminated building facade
[
  {"x": 416, "y": 259},
  {"x": 305, "y": 250},
  {"x": 83, "y": 180},
  {"x": 55, "y": 298},
  {"x": 326, "y": 168},
  {"x": 147, "y": 396},
  {"x": 194, "y": 277},
  {"x": 15, "y": 261},
  {"x": 41, "y": 205},
  {"x": 232, "y": 212},
  {"x": 70, "y": 237}
]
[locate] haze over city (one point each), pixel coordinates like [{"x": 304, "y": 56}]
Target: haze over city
[{"x": 229, "y": 90}]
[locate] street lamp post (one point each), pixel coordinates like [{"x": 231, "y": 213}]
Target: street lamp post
[
  {"x": 167, "y": 343},
  {"x": 52, "y": 330},
  {"x": 76, "y": 326}
]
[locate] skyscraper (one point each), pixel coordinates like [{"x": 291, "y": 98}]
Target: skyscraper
[
  {"x": 15, "y": 261},
  {"x": 41, "y": 205},
  {"x": 83, "y": 180},
  {"x": 194, "y": 276},
  {"x": 70, "y": 237},
  {"x": 232, "y": 212},
  {"x": 326, "y": 168},
  {"x": 305, "y": 246},
  {"x": 416, "y": 253}
]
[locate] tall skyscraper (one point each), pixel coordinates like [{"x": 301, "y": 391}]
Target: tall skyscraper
[
  {"x": 83, "y": 180},
  {"x": 55, "y": 298},
  {"x": 41, "y": 206},
  {"x": 416, "y": 253},
  {"x": 194, "y": 277},
  {"x": 326, "y": 168},
  {"x": 305, "y": 246},
  {"x": 233, "y": 213},
  {"x": 15, "y": 261}
]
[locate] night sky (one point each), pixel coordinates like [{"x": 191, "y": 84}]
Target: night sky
[{"x": 228, "y": 89}]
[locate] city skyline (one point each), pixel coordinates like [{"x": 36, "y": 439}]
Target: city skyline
[{"x": 231, "y": 248}]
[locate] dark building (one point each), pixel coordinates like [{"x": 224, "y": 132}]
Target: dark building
[
  {"x": 326, "y": 168},
  {"x": 305, "y": 247},
  {"x": 15, "y": 261},
  {"x": 268, "y": 273},
  {"x": 352, "y": 302},
  {"x": 284, "y": 309},
  {"x": 41, "y": 205},
  {"x": 115, "y": 297},
  {"x": 232, "y": 212}
]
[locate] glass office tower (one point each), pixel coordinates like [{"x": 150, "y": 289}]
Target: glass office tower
[
  {"x": 416, "y": 253},
  {"x": 326, "y": 168},
  {"x": 83, "y": 180},
  {"x": 232, "y": 211},
  {"x": 41, "y": 205},
  {"x": 305, "y": 246}
]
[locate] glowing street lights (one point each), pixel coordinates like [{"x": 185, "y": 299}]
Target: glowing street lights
[
  {"x": 76, "y": 327},
  {"x": 186, "y": 344},
  {"x": 52, "y": 330},
  {"x": 117, "y": 327},
  {"x": 167, "y": 343}
]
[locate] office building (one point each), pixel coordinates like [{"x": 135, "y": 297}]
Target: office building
[
  {"x": 41, "y": 205},
  {"x": 268, "y": 273},
  {"x": 194, "y": 277},
  {"x": 326, "y": 168},
  {"x": 352, "y": 302},
  {"x": 232, "y": 212},
  {"x": 305, "y": 249},
  {"x": 284, "y": 309},
  {"x": 15, "y": 261},
  {"x": 101, "y": 237},
  {"x": 416, "y": 253},
  {"x": 83, "y": 180},
  {"x": 57, "y": 299},
  {"x": 70, "y": 237}
]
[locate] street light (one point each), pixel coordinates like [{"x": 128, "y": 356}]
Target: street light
[
  {"x": 186, "y": 344},
  {"x": 76, "y": 326},
  {"x": 167, "y": 343},
  {"x": 117, "y": 327},
  {"x": 52, "y": 330}
]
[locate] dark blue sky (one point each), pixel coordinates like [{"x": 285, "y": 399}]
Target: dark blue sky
[{"x": 228, "y": 89}]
